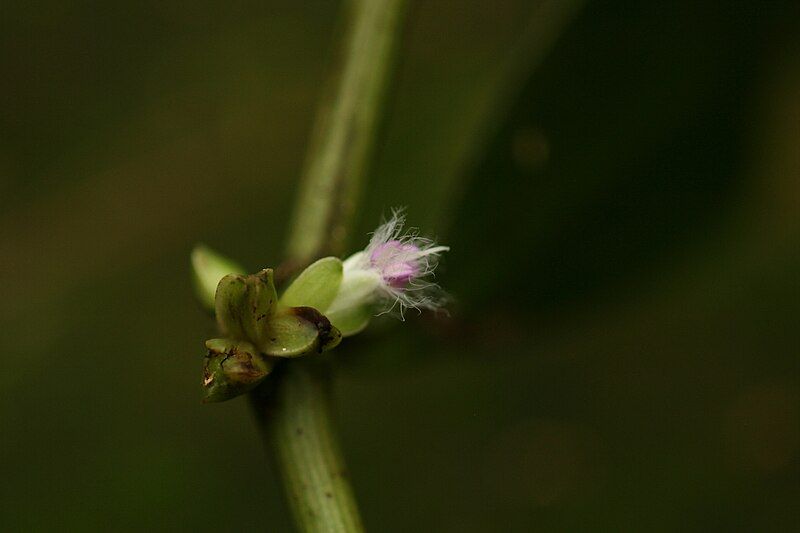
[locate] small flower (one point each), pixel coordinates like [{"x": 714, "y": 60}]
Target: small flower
[{"x": 394, "y": 269}]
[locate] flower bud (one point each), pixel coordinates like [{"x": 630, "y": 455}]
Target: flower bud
[
  {"x": 247, "y": 309},
  {"x": 244, "y": 305},
  {"x": 232, "y": 368}
]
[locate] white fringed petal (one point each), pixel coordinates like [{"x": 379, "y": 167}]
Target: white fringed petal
[{"x": 394, "y": 270}]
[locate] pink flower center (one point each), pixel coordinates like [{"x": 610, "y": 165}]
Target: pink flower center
[{"x": 397, "y": 262}]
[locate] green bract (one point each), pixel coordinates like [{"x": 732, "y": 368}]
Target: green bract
[
  {"x": 316, "y": 286},
  {"x": 353, "y": 320},
  {"x": 208, "y": 267},
  {"x": 323, "y": 287},
  {"x": 295, "y": 331}
]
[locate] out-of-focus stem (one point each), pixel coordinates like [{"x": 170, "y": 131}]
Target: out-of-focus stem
[
  {"x": 545, "y": 24},
  {"x": 344, "y": 132}
]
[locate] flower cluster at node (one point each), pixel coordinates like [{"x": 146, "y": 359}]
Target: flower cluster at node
[{"x": 330, "y": 299}]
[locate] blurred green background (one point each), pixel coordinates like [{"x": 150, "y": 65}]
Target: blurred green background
[{"x": 619, "y": 182}]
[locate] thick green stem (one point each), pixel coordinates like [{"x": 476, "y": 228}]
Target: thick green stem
[
  {"x": 299, "y": 427},
  {"x": 295, "y": 414}
]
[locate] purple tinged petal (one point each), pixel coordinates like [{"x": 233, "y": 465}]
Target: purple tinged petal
[{"x": 398, "y": 262}]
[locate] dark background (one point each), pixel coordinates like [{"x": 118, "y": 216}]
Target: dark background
[{"x": 621, "y": 191}]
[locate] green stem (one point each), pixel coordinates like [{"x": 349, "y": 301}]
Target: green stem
[
  {"x": 296, "y": 414},
  {"x": 307, "y": 451}
]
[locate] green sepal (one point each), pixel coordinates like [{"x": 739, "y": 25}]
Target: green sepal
[
  {"x": 316, "y": 286},
  {"x": 352, "y": 320},
  {"x": 296, "y": 331},
  {"x": 354, "y": 306},
  {"x": 208, "y": 268},
  {"x": 244, "y": 305},
  {"x": 232, "y": 368}
]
